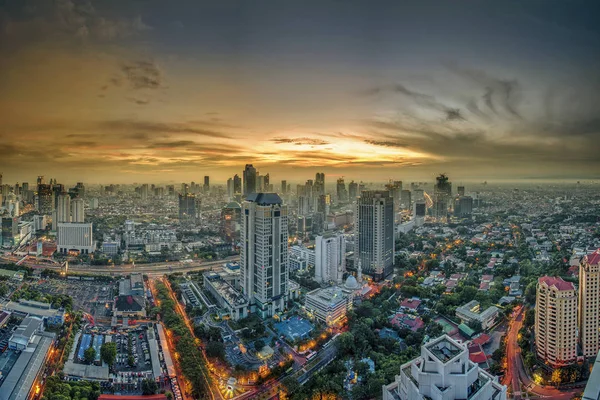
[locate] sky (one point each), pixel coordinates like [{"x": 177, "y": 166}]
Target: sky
[{"x": 169, "y": 91}]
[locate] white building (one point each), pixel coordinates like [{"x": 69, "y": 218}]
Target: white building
[
  {"x": 77, "y": 210},
  {"x": 63, "y": 210},
  {"x": 303, "y": 253},
  {"x": 75, "y": 236},
  {"x": 471, "y": 312},
  {"x": 444, "y": 372},
  {"x": 330, "y": 258},
  {"x": 328, "y": 305},
  {"x": 264, "y": 253}
]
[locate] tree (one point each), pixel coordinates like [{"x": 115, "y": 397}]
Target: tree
[
  {"x": 108, "y": 352},
  {"x": 131, "y": 361},
  {"x": 149, "y": 387},
  {"x": 215, "y": 349},
  {"x": 475, "y": 325},
  {"x": 259, "y": 344},
  {"x": 89, "y": 355}
]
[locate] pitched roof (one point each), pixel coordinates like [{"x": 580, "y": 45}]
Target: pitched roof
[
  {"x": 129, "y": 303},
  {"x": 264, "y": 199},
  {"x": 557, "y": 282},
  {"x": 593, "y": 258}
]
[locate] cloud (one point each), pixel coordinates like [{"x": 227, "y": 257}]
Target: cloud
[
  {"x": 154, "y": 128},
  {"x": 300, "y": 141},
  {"x": 139, "y": 102},
  {"x": 386, "y": 143},
  {"x": 142, "y": 74}
]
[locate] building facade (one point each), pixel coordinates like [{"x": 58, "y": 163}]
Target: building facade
[
  {"x": 556, "y": 321},
  {"x": 75, "y": 237},
  {"x": 328, "y": 305},
  {"x": 375, "y": 234},
  {"x": 264, "y": 253},
  {"x": 330, "y": 258},
  {"x": 589, "y": 304}
]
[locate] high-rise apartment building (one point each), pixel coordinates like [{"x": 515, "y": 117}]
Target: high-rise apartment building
[
  {"x": 444, "y": 372},
  {"x": 442, "y": 194},
  {"x": 342, "y": 194},
  {"x": 556, "y": 321},
  {"x": 589, "y": 304},
  {"x": 77, "y": 210},
  {"x": 319, "y": 183},
  {"x": 188, "y": 207},
  {"x": 237, "y": 184},
  {"x": 63, "y": 211},
  {"x": 249, "y": 180},
  {"x": 45, "y": 200},
  {"x": 405, "y": 200},
  {"x": 264, "y": 253},
  {"x": 330, "y": 258},
  {"x": 353, "y": 191},
  {"x": 230, "y": 222},
  {"x": 230, "y": 192},
  {"x": 374, "y": 230},
  {"x": 206, "y": 187},
  {"x": 283, "y": 187}
]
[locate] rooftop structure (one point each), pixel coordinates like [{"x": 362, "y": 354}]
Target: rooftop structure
[
  {"x": 444, "y": 371},
  {"x": 228, "y": 298},
  {"x": 328, "y": 305},
  {"x": 470, "y": 312}
]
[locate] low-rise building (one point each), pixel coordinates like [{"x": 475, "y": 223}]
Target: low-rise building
[
  {"x": 328, "y": 305},
  {"x": 39, "y": 309},
  {"x": 130, "y": 306},
  {"x": 443, "y": 372},
  {"x": 228, "y": 298},
  {"x": 471, "y": 312}
]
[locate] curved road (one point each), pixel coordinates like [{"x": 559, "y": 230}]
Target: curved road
[{"x": 516, "y": 376}]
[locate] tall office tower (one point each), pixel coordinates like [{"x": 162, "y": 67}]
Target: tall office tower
[
  {"x": 464, "y": 207},
  {"x": 144, "y": 191},
  {"x": 41, "y": 180},
  {"x": 303, "y": 205},
  {"x": 284, "y": 187},
  {"x": 77, "y": 210},
  {"x": 237, "y": 184},
  {"x": 443, "y": 371},
  {"x": 323, "y": 204},
  {"x": 24, "y": 186},
  {"x": 206, "y": 187},
  {"x": 556, "y": 321},
  {"x": 249, "y": 180},
  {"x": 230, "y": 222},
  {"x": 374, "y": 230},
  {"x": 353, "y": 191},
  {"x": 185, "y": 188},
  {"x": 405, "y": 200},
  {"x": 319, "y": 183},
  {"x": 57, "y": 189},
  {"x": 342, "y": 194},
  {"x": 461, "y": 191},
  {"x": 80, "y": 189},
  {"x": 442, "y": 193},
  {"x": 170, "y": 190},
  {"x": 589, "y": 304},
  {"x": 266, "y": 183},
  {"x": 187, "y": 207},
  {"x": 264, "y": 253},
  {"x": 260, "y": 183},
  {"x": 9, "y": 235},
  {"x": 330, "y": 258},
  {"x": 63, "y": 210},
  {"x": 395, "y": 189},
  {"x": 45, "y": 200},
  {"x": 230, "y": 192}
]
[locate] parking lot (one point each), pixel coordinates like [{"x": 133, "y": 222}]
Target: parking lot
[{"x": 134, "y": 343}]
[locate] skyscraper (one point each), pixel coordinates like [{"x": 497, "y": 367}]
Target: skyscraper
[
  {"x": 589, "y": 304},
  {"x": 330, "y": 258},
  {"x": 342, "y": 194},
  {"x": 230, "y": 222},
  {"x": 206, "y": 187},
  {"x": 464, "y": 207},
  {"x": 319, "y": 183},
  {"x": 283, "y": 187},
  {"x": 230, "y": 192},
  {"x": 45, "y": 203},
  {"x": 264, "y": 253},
  {"x": 187, "y": 207},
  {"x": 442, "y": 193},
  {"x": 461, "y": 190},
  {"x": 395, "y": 189},
  {"x": 374, "y": 230},
  {"x": 405, "y": 199},
  {"x": 77, "y": 210},
  {"x": 63, "y": 211},
  {"x": 237, "y": 184},
  {"x": 556, "y": 321},
  {"x": 249, "y": 180},
  {"x": 353, "y": 191}
]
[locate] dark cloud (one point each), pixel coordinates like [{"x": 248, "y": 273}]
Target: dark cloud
[
  {"x": 143, "y": 75},
  {"x": 454, "y": 114},
  {"x": 153, "y": 128},
  {"x": 387, "y": 143},
  {"x": 139, "y": 102},
  {"x": 300, "y": 141}
]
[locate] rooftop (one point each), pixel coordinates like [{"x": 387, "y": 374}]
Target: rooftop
[
  {"x": 556, "y": 282},
  {"x": 264, "y": 199},
  {"x": 444, "y": 348},
  {"x": 593, "y": 258}
]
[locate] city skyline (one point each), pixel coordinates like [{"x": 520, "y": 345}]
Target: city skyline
[{"x": 143, "y": 91}]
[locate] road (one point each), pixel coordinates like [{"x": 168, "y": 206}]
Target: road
[
  {"x": 125, "y": 269},
  {"x": 516, "y": 376}
]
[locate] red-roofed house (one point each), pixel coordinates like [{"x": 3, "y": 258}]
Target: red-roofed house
[
  {"x": 482, "y": 339},
  {"x": 410, "y": 304},
  {"x": 592, "y": 259},
  {"x": 477, "y": 355},
  {"x": 407, "y": 321},
  {"x": 559, "y": 283},
  {"x": 487, "y": 278}
]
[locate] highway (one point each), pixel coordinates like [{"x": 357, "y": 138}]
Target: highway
[
  {"x": 516, "y": 376},
  {"x": 125, "y": 269}
]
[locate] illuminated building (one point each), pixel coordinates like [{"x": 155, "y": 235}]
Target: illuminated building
[
  {"x": 45, "y": 203},
  {"x": 264, "y": 253},
  {"x": 75, "y": 237},
  {"x": 330, "y": 258},
  {"x": 188, "y": 207},
  {"x": 589, "y": 304},
  {"x": 556, "y": 321},
  {"x": 444, "y": 372},
  {"x": 328, "y": 305},
  {"x": 63, "y": 210},
  {"x": 10, "y": 231},
  {"x": 395, "y": 189},
  {"x": 230, "y": 220},
  {"x": 375, "y": 233}
]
